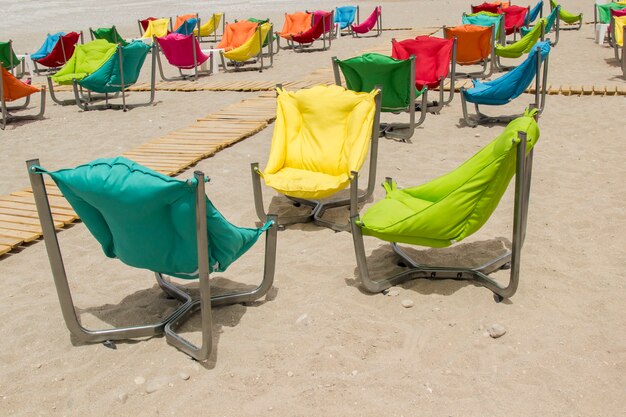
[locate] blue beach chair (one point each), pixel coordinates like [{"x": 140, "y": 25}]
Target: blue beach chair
[{"x": 505, "y": 89}]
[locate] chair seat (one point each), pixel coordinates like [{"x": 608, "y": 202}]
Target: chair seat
[{"x": 300, "y": 183}]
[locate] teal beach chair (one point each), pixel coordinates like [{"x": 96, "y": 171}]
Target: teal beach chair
[{"x": 153, "y": 222}]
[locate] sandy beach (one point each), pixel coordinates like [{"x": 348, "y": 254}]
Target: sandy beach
[{"x": 319, "y": 345}]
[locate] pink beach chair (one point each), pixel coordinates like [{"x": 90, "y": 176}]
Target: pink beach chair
[
  {"x": 375, "y": 20},
  {"x": 184, "y": 53}
]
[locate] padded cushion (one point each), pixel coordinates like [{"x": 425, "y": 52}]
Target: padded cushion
[
  {"x": 432, "y": 58},
  {"x": 87, "y": 59},
  {"x": 295, "y": 23},
  {"x": 251, "y": 47},
  {"x": 321, "y": 134},
  {"x": 158, "y": 28},
  {"x": 14, "y": 89},
  {"x": 147, "y": 220},
  {"x": 236, "y": 34},
  {"x": 453, "y": 206},
  {"x": 523, "y": 45},
  {"x": 473, "y": 43}
]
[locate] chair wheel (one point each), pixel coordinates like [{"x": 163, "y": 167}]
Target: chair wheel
[{"x": 498, "y": 298}]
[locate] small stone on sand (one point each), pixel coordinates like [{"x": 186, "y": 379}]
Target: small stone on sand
[
  {"x": 496, "y": 330},
  {"x": 407, "y": 303},
  {"x": 139, "y": 380}
]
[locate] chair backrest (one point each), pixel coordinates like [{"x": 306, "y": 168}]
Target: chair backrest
[
  {"x": 566, "y": 16},
  {"x": 534, "y": 13},
  {"x": 461, "y": 201},
  {"x": 364, "y": 73},
  {"x": 432, "y": 58},
  {"x": 509, "y": 86},
  {"x": 178, "y": 22},
  {"x": 296, "y": 23},
  {"x": 61, "y": 52},
  {"x": 236, "y": 34},
  {"x": 47, "y": 46},
  {"x": 109, "y": 34},
  {"x": 8, "y": 59},
  {"x": 604, "y": 11},
  {"x": 484, "y": 19},
  {"x": 487, "y": 7},
  {"x": 86, "y": 59},
  {"x": 618, "y": 29},
  {"x": 524, "y": 44},
  {"x": 147, "y": 220},
  {"x": 179, "y": 50},
  {"x": 188, "y": 26},
  {"x": 252, "y": 47},
  {"x": 108, "y": 78},
  {"x": 157, "y": 28},
  {"x": 369, "y": 23},
  {"x": 322, "y": 23},
  {"x": 551, "y": 19},
  {"x": 210, "y": 25},
  {"x": 514, "y": 18},
  {"x": 323, "y": 129},
  {"x": 345, "y": 15},
  {"x": 473, "y": 43},
  {"x": 14, "y": 89},
  {"x": 146, "y": 22}
]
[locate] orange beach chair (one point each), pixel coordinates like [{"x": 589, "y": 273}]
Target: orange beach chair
[
  {"x": 12, "y": 89},
  {"x": 474, "y": 46}
]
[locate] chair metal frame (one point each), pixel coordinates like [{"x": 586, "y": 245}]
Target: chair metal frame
[
  {"x": 326, "y": 35},
  {"x": 319, "y": 207},
  {"x": 540, "y": 91},
  {"x": 378, "y": 27},
  {"x": 489, "y": 64},
  {"x": 498, "y": 64},
  {"x": 188, "y": 305},
  {"x": 52, "y": 70},
  {"x": 240, "y": 66},
  {"x": 387, "y": 129},
  {"x": 183, "y": 76},
  {"x": 478, "y": 274},
  {"x": 85, "y": 102},
  {"x": 5, "y": 109}
]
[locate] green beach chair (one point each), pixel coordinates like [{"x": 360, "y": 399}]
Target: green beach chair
[
  {"x": 521, "y": 47},
  {"x": 108, "y": 34},
  {"x": 86, "y": 59},
  {"x": 567, "y": 17},
  {"x": 151, "y": 222},
  {"x": 396, "y": 79},
  {"x": 450, "y": 208},
  {"x": 10, "y": 61},
  {"x": 118, "y": 73}
]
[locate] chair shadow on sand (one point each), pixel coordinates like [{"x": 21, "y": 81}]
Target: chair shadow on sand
[
  {"x": 383, "y": 262},
  {"x": 152, "y": 304}
]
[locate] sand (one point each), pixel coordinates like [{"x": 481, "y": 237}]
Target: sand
[{"x": 318, "y": 345}]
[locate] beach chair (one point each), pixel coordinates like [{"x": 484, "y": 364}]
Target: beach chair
[
  {"x": 450, "y": 208},
  {"x": 180, "y": 21},
  {"x": 373, "y": 22},
  {"x": 396, "y": 78},
  {"x": 210, "y": 28},
  {"x": 187, "y": 26},
  {"x": 488, "y": 7},
  {"x": 108, "y": 34},
  {"x": 435, "y": 61},
  {"x": 268, "y": 38},
  {"x": 521, "y": 47},
  {"x": 321, "y": 135},
  {"x": 242, "y": 44},
  {"x": 184, "y": 53},
  {"x": 151, "y": 222},
  {"x": 602, "y": 18},
  {"x": 86, "y": 59},
  {"x": 511, "y": 85},
  {"x": 157, "y": 28},
  {"x": 344, "y": 17},
  {"x": 487, "y": 19},
  {"x": 574, "y": 21},
  {"x": 12, "y": 89},
  {"x": 514, "y": 19},
  {"x": 143, "y": 24},
  {"x": 10, "y": 61},
  {"x": 474, "y": 46},
  {"x": 535, "y": 12},
  {"x": 114, "y": 77},
  {"x": 552, "y": 23},
  {"x": 321, "y": 29},
  {"x": 55, "y": 51},
  {"x": 295, "y": 24},
  {"x": 619, "y": 35}
]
